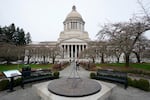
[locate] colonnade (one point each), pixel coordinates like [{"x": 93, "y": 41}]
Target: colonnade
[
  {"x": 72, "y": 51},
  {"x": 74, "y": 25}
]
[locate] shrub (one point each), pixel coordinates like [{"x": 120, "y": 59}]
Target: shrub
[
  {"x": 141, "y": 84},
  {"x": 17, "y": 81},
  {"x": 130, "y": 82},
  {"x": 144, "y": 84},
  {"x": 4, "y": 84},
  {"x": 56, "y": 74},
  {"x": 26, "y": 68},
  {"x": 135, "y": 83},
  {"x": 92, "y": 75}
]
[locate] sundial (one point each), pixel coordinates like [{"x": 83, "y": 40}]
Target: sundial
[{"x": 74, "y": 85}]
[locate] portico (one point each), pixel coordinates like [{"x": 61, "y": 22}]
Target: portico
[{"x": 72, "y": 50}]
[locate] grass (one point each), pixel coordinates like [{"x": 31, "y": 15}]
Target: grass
[
  {"x": 15, "y": 66},
  {"x": 144, "y": 66}
]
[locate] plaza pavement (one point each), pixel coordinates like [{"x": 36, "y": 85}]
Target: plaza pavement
[{"x": 118, "y": 93}]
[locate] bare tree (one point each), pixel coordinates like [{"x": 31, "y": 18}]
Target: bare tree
[
  {"x": 54, "y": 52},
  {"x": 145, "y": 10},
  {"x": 44, "y": 52},
  {"x": 96, "y": 49},
  {"x": 101, "y": 50},
  {"x": 29, "y": 52},
  {"x": 125, "y": 35},
  {"x": 140, "y": 47},
  {"x": 114, "y": 51},
  {"x": 89, "y": 53},
  {"x": 7, "y": 53}
]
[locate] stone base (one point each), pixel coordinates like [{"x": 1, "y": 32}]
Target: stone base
[
  {"x": 74, "y": 87},
  {"x": 42, "y": 90}
]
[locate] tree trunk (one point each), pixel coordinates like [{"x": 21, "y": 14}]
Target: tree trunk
[
  {"x": 28, "y": 61},
  {"x": 93, "y": 60},
  {"x": 43, "y": 59},
  {"x": 53, "y": 60},
  {"x": 8, "y": 61},
  {"x": 127, "y": 60},
  {"x": 102, "y": 58},
  {"x": 137, "y": 57},
  {"x": 118, "y": 60}
]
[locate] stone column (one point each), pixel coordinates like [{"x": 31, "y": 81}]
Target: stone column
[
  {"x": 71, "y": 51},
  {"x": 66, "y": 55},
  {"x": 79, "y": 50},
  {"x": 82, "y": 27},
  {"x": 75, "y": 51},
  {"x": 65, "y": 51},
  {"x": 67, "y": 48},
  {"x": 82, "y": 47},
  {"x": 62, "y": 51},
  {"x": 78, "y": 26},
  {"x": 69, "y": 25}
]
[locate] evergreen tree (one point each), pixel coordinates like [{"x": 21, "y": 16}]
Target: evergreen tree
[
  {"x": 28, "y": 38},
  {"x": 12, "y": 35},
  {"x": 15, "y": 36},
  {"x": 10, "y": 32},
  {"x": 21, "y": 37}
]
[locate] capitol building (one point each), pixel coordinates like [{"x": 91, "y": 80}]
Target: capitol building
[
  {"x": 72, "y": 43},
  {"x": 72, "y": 40}
]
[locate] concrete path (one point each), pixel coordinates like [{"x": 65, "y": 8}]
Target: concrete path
[
  {"x": 71, "y": 70},
  {"x": 118, "y": 93}
]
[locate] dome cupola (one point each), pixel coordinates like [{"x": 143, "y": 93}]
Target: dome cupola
[
  {"x": 74, "y": 13},
  {"x": 74, "y": 21}
]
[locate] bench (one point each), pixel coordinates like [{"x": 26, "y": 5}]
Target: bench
[
  {"x": 110, "y": 75},
  {"x": 32, "y": 76}
]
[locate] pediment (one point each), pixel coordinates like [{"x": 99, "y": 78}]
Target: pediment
[{"x": 73, "y": 40}]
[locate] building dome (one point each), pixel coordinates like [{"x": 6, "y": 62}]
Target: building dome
[
  {"x": 74, "y": 14},
  {"x": 74, "y": 21}
]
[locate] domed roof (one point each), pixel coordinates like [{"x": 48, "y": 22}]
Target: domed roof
[{"x": 74, "y": 14}]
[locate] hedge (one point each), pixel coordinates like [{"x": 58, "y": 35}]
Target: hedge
[
  {"x": 56, "y": 74},
  {"x": 4, "y": 84},
  {"x": 92, "y": 75},
  {"x": 142, "y": 84}
]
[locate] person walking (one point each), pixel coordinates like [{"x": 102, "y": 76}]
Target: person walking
[{"x": 77, "y": 65}]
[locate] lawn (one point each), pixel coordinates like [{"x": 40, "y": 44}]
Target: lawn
[
  {"x": 144, "y": 66},
  {"x": 15, "y": 66}
]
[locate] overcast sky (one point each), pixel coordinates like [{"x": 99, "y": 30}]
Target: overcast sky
[{"x": 44, "y": 18}]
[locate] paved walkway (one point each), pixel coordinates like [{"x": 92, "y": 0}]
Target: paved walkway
[
  {"x": 118, "y": 93},
  {"x": 72, "y": 71}
]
